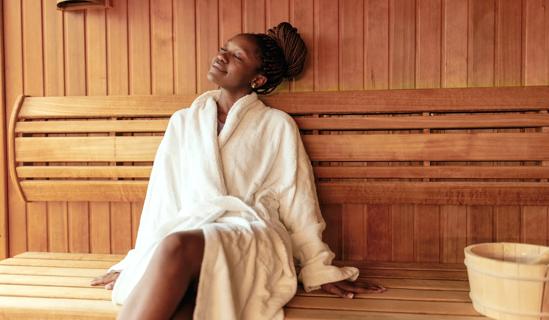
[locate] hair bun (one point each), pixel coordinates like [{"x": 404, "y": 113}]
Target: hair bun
[{"x": 293, "y": 47}]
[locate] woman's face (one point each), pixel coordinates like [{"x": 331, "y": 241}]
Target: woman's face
[{"x": 236, "y": 64}]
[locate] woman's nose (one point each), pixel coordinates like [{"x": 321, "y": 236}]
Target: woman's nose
[{"x": 221, "y": 56}]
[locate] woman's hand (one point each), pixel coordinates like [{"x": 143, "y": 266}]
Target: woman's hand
[
  {"x": 347, "y": 289},
  {"x": 108, "y": 280}
]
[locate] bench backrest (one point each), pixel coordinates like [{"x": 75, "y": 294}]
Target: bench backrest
[{"x": 486, "y": 146}]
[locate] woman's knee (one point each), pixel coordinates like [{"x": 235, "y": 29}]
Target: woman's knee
[{"x": 185, "y": 245}]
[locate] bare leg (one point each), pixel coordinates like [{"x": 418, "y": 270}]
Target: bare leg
[
  {"x": 186, "y": 306},
  {"x": 174, "y": 266}
]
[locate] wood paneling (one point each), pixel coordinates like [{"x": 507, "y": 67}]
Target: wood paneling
[
  {"x": 143, "y": 47},
  {"x": 3, "y": 171}
]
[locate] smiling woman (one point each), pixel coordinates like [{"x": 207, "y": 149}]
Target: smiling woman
[{"x": 227, "y": 209}]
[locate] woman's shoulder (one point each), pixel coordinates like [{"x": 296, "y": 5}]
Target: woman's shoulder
[{"x": 280, "y": 118}]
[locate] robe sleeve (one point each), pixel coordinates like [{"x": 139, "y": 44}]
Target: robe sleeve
[
  {"x": 299, "y": 211},
  {"x": 162, "y": 201}
]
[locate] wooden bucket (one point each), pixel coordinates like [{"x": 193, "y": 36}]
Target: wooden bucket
[{"x": 508, "y": 280}]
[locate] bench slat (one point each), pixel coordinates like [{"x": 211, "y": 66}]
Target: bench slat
[
  {"x": 70, "y": 256},
  {"x": 481, "y": 193},
  {"x": 51, "y": 271},
  {"x": 445, "y": 172},
  {"x": 86, "y": 149},
  {"x": 424, "y": 122},
  {"x": 102, "y": 106},
  {"x": 37, "y": 280},
  {"x": 348, "y": 172},
  {"x": 404, "y": 294},
  {"x": 89, "y": 293},
  {"x": 424, "y": 307},
  {"x": 15, "y": 308},
  {"x": 97, "y": 126},
  {"x": 84, "y": 172},
  {"x": 57, "y": 263},
  {"x": 413, "y": 100},
  {"x": 325, "y": 314},
  {"x": 386, "y": 147},
  {"x": 432, "y": 147}
]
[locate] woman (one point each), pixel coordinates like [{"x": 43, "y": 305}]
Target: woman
[{"x": 230, "y": 200}]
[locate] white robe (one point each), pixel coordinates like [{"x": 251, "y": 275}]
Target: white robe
[{"x": 251, "y": 190}]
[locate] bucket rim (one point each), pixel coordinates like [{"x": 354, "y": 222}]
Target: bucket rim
[{"x": 469, "y": 252}]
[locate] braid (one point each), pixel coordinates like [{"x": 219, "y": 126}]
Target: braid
[{"x": 283, "y": 54}]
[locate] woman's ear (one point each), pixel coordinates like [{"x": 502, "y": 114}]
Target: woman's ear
[{"x": 258, "y": 81}]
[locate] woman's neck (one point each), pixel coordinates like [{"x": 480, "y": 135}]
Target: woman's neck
[{"x": 225, "y": 101}]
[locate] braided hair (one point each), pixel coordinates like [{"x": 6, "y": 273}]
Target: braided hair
[{"x": 282, "y": 52}]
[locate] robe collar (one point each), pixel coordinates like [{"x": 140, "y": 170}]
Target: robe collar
[{"x": 234, "y": 116}]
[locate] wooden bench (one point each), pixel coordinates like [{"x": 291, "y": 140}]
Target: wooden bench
[{"x": 391, "y": 150}]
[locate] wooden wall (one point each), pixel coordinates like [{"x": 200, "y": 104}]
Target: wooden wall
[{"x": 165, "y": 46}]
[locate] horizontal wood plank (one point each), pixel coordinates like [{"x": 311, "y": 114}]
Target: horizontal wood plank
[
  {"x": 432, "y": 147},
  {"x": 70, "y": 256},
  {"x": 87, "y": 149},
  {"x": 102, "y": 106},
  {"x": 462, "y": 193},
  {"x": 57, "y": 263},
  {"x": 424, "y": 122},
  {"x": 90, "y": 293},
  {"x": 413, "y": 100},
  {"x": 404, "y": 306},
  {"x": 95, "y": 126},
  {"x": 327, "y": 314},
  {"x": 51, "y": 271},
  {"x": 52, "y": 309},
  {"x": 459, "y": 193},
  {"x": 84, "y": 171},
  {"x": 433, "y": 171}
]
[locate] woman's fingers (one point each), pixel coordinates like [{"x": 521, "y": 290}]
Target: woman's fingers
[
  {"x": 105, "y": 279},
  {"x": 335, "y": 289}
]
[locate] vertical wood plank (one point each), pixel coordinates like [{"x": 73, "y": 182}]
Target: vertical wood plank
[
  {"x": 75, "y": 75},
  {"x": 117, "y": 48},
  {"x": 379, "y": 233},
  {"x": 253, "y": 16},
  {"x": 535, "y": 43},
  {"x": 454, "y": 232},
  {"x": 508, "y": 43},
  {"x": 185, "y": 46},
  {"x": 230, "y": 19},
  {"x": 351, "y": 44},
  {"x": 4, "y": 252},
  {"x": 119, "y": 84},
  {"x": 402, "y": 39},
  {"x": 121, "y": 230},
  {"x": 139, "y": 47},
  {"x": 454, "y": 43},
  {"x": 427, "y": 233},
  {"x": 507, "y": 220},
  {"x": 534, "y": 225},
  {"x": 58, "y": 227},
  {"x": 302, "y": 17},
  {"x": 37, "y": 226},
  {"x": 325, "y": 41},
  {"x": 54, "y": 67},
  {"x": 207, "y": 42},
  {"x": 402, "y": 226},
  {"x": 276, "y": 11},
  {"x": 332, "y": 234},
  {"x": 54, "y": 85},
  {"x": 353, "y": 232},
  {"x": 479, "y": 224},
  {"x": 96, "y": 45},
  {"x": 33, "y": 83},
  {"x": 79, "y": 233},
  {"x": 428, "y": 44},
  {"x": 376, "y": 16},
  {"x": 162, "y": 47},
  {"x": 96, "y": 52},
  {"x": 481, "y": 43}
]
